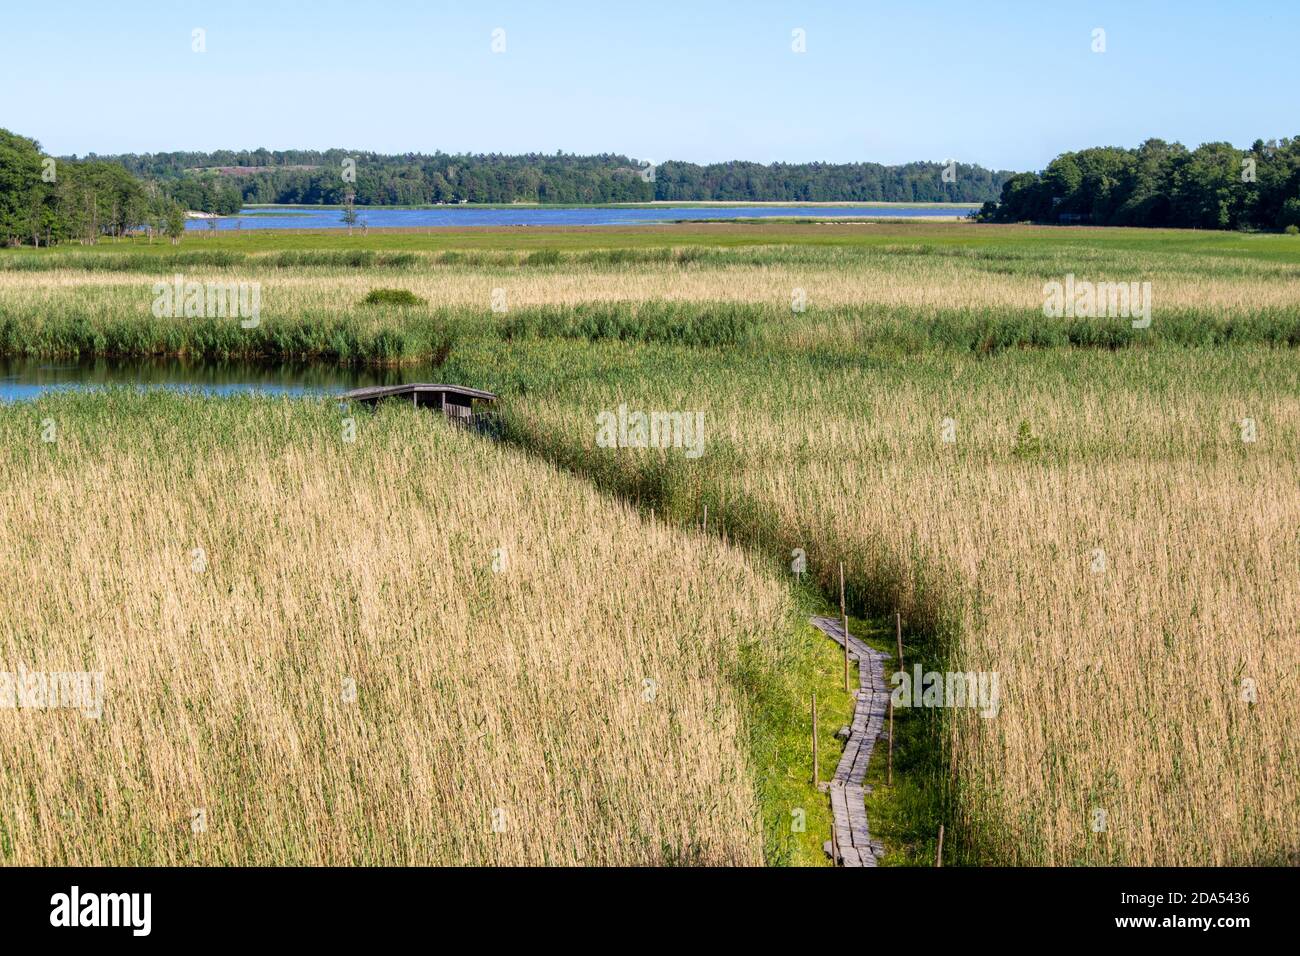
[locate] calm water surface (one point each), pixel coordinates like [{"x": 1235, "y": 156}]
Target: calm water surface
[
  {"x": 25, "y": 379},
  {"x": 298, "y": 217}
]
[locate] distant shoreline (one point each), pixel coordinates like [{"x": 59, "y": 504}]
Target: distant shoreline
[{"x": 655, "y": 204}]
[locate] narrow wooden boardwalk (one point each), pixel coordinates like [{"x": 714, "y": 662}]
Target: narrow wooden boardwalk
[{"x": 852, "y": 844}]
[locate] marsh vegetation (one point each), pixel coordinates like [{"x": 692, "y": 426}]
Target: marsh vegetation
[{"x": 1076, "y": 504}]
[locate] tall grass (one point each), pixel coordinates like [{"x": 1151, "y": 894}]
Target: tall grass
[
  {"x": 540, "y": 676},
  {"x": 1157, "y": 690},
  {"x": 887, "y": 299},
  {"x": 1125, "y": 689}
]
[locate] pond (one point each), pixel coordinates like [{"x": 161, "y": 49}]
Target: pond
[
  {"x": 24, "y": 379},
  {"x": 388, "y": 217}
]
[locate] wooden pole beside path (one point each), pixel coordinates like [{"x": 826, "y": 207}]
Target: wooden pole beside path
[
  {"x": 844, "y": 615},
  {"x": 814, "y": 725},
  {"x": 889, "y": 781}
]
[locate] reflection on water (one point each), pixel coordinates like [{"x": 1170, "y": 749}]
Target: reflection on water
[{"x": 23, "y": 378}]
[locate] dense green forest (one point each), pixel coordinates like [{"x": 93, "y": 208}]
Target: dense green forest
[
  {"x": 205, "y": 180},
  {"x": 1215, "y": 186},
  {"x": 44, "y": 201}
]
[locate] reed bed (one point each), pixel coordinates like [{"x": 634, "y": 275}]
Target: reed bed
[
  {"x": 1148, "y": 712},
  {"x": 884, "y": 297},
  {"x": 580, "y": 704},
  {"x": 874, "y": 277},
  {"x": 1098, "y": 534}
]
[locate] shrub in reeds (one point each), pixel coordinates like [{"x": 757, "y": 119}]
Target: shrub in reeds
[{"x": 392, "y": 297}]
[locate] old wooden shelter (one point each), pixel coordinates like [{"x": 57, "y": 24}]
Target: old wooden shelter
[{"x": 455, "y": 401}]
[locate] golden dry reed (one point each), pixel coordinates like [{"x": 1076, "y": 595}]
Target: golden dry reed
[
  {"x": 1130, "y": 569},
  {"x": 879, "y": 280},
  {"x": 1117, "y": 536},
  {"x": 411, "y": 648},
  {"x": 1102, "y": 529}
]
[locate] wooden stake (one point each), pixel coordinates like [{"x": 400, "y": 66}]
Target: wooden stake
[
  {"x": 898, "y": 630},
  {"x": 938, "y": 854},
  {"x": 706, "y": 519},
  {"x": 889, "y": 781},
  {"x": 814, "y": 722},
  {"x": 845, "y": 616}
]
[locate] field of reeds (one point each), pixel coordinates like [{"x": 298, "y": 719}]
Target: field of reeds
[
  {"x": 1097, "y": 533},
  {"x": 411, "y": 647},
  {"x": 1107, "y": 517},
  {"x": 882, "y": 295}
]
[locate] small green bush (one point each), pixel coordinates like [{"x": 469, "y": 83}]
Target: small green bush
[
  {"x": 1027, "y": 444},
  {"x": 392, "y": 297},
  {"x": 1292, "y": 230},
  {"x": 543, "y": 257}
]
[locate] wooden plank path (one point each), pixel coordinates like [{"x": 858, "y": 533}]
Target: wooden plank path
[{"x": 852, "y": 844}]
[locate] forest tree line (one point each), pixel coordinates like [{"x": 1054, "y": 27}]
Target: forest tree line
[
  {"x": 317, "y": 177},
  {"x": 1215, "y": 186},
  {"x": 44, "y": 200}
]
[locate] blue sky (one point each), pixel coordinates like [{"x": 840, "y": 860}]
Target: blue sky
[{"x": 1004, "y": 84}]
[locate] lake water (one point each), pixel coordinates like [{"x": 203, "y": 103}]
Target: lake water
[
  {"x": 25, "y": 379},
  {"x": 385, "y": 217}
]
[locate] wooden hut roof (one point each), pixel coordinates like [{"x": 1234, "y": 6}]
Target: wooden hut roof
[{"x": 376, "y": 392}]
